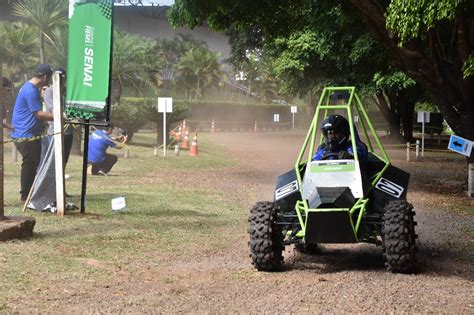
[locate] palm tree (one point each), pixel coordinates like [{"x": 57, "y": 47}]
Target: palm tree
[
  {"x": 57, "y": 50},
  {"x": 135, "y": 64},
  {"x": 18, "y": 44},
  {"x": 44, "y": 15},
  {"x": 198, "y": 69}
]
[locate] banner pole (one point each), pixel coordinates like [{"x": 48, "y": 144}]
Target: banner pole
[
  {"x": 84, "y": 167},
  {"x": 2, "y": 207}
]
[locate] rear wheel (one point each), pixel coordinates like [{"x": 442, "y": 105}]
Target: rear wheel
[
  {"x": 265, "y": 237},
  {"x": 398, "y": 234}
]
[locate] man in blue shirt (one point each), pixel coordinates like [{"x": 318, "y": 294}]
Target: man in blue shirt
[
  {"x": 99, "y": 141},
  {"x": 27, "y": 122}
]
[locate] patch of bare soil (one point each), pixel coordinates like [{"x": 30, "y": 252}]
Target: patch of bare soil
[{"x": 342, "y": 278}]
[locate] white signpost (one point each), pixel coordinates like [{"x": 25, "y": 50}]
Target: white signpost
[
  {"x": 294, "y": 110},
  {"x": 165, "y": 105},
  {"x": 276, "y": 117},
  {"x": 423, "y": 117}
]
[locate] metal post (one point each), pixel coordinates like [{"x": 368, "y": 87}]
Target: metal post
[
  {"x": 84, "y": 166},
  {"x": 470, "y": 180},
  {"x": 212, "y": 126},
  {"x": 408, "y": 151},
  {"x": 14, "y": 154},
  {"x": 58, "y": 144},
  {"x": 176, "y": 150},
  {"x": 125, "y": 153},
  {"x": 164, "y": 128},
  {"x": 2, "y": 210},
  {"x": 423, "y": 137},
  {"x": 417, "y": 149},
  {"x": 293, "y": 122}
]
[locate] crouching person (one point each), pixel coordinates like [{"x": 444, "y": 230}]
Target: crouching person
[{"x": 101, "y": 162}]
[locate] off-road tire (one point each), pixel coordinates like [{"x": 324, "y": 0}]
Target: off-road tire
[
  {"x": 308, "y": 249},
  {"x": 398, "y": 237},
  {"x": 265, "y": 237}
]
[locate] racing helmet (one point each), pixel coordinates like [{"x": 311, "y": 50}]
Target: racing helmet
[{"x": 338, "y": 127}]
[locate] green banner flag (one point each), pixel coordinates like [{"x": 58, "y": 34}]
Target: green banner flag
[{"x": 89, "y": 56}]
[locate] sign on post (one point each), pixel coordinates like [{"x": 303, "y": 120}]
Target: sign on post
[
  {"x": 460, "y": 145},
  {"x": 423, "y": 117},
  {"x": 293, "y": 110},
  {"x": 165, "y": 105},
  {"x": 276, "y": 117}
]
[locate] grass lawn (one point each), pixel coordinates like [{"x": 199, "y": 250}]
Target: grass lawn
[{"x": 162, "y": 216}]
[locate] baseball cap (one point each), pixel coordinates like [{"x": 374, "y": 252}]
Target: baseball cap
[{"x": 43, "y": 69}]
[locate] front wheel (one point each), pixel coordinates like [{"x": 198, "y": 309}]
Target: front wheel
[
  {"x": 398, "y": 235},
  {"x": 266, "y": 238}
]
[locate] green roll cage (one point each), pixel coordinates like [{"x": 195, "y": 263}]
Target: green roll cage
[{"x": 352, "y": 107}]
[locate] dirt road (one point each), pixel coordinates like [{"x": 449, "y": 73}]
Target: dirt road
[
  {"x": 352, "y": 278},
  {"x": 342, "y": 279}
]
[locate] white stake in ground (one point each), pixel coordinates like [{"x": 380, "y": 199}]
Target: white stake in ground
[{"x": 165, "y": 105}]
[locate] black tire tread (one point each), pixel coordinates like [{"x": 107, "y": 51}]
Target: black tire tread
[
  {"x": 399, "y": 238},
  {"x": 265, "y": 237}
]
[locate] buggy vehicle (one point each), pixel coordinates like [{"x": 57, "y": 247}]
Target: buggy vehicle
[{"x": 337, "y": 200}]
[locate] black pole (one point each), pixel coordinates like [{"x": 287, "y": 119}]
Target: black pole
[{"x": 84, "y": 166}]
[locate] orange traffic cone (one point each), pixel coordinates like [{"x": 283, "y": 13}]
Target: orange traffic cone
[
  {"x": 178, "y": 134},
  {"x": 194, "y": 146},
  {"x": 185, "y": 144}
]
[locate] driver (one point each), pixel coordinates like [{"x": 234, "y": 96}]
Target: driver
[{"x": 337, "y": 144}]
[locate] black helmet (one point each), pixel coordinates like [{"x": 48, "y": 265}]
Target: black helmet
[{"x": 339, "y": 126}]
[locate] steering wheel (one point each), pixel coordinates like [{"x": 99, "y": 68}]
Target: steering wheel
[{"x": 327, "y": 156}]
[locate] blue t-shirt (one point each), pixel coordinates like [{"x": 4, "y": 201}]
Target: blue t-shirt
[
  {"x": 99, "y": 142},
  {"x": 24, "y": 122}
]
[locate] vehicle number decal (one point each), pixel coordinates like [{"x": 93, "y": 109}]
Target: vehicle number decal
[
  {"x": 286, "y": 190},
  {"x": 389, "y": 187}
]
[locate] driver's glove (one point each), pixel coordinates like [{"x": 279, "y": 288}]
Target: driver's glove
[{"x": 344, "y": 155}]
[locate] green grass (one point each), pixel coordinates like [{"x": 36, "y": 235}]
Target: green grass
[{"x": 162, "y": 218}]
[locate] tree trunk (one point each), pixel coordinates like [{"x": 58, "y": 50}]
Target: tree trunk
[
  {"x": 390, "y": 116},
  {"x": 405, "y": 109},
  {"x": 41, "y": 38}
]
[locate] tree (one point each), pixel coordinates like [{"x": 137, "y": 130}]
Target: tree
[
  {"x": 198, "y": 69},
  {"x": 430, "y": 41},
  {"x": 18, "y": 44},
  {"x": 44, "y": 15},
  {"x": 310, "y": 42},
  {"x": 396, "y": 95},
  {"x": 134, "y": 64}
]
